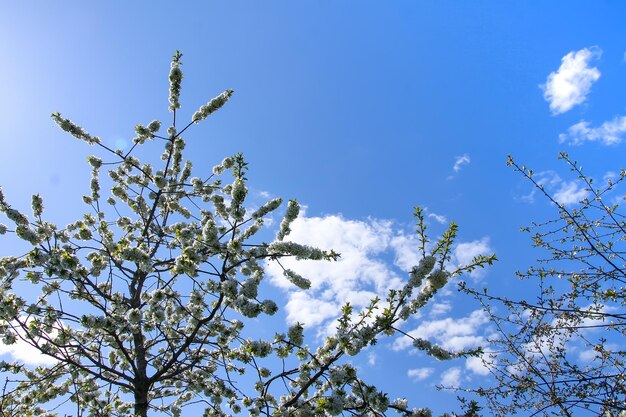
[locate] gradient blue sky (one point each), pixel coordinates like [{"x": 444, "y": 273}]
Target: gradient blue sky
[{"x": 359, "y": 110}]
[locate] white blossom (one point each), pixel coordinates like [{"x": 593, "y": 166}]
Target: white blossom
[
  {"x": 293, "y": 209},
  {"x": 297, "y": 279},
  {"x": 176, "y": 77},
  {"x": 213, "y": 105},
  {"x": 267, "y": 208},
  {"x": 438, "y": 279},
  {"x": 74, "y": 130}
]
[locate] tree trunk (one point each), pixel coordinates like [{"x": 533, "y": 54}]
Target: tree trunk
[{"x": 141, "y": 402}]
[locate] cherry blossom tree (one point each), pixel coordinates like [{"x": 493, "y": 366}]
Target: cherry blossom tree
[
  {"x": 142, "y": 304},
  {"x": 562, "y": 353}
]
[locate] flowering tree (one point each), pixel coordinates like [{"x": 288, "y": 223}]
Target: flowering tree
[
  {"x": 562, "y": 354},
  {"x": 142, "y": 303}
]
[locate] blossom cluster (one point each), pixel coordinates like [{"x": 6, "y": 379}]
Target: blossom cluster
[
  {"x": 74, "y": 130},
  {"x": 212, "y": 106},
  {"x": 293, "y": 209}
]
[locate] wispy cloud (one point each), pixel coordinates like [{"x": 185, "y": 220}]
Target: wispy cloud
[
  {"x": 563, "y": 192},
  {"x": 570, "y": 84},
  {"x": 439, "y": 218},
  {"x": 608, "y": 133},
  {"x": 461, "y": 160},
  {"x": 420, "y": 374}
]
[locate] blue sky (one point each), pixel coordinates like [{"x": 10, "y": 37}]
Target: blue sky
[{"x": 360, "y": 110}]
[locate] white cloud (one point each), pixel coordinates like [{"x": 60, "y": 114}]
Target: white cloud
[
  {"x": 595, "y": 317},
  {"x": 563, "y": 192},
  {"x": 609, "y": 176},
  {"x": 372, "y": 358},
  {"x": 459, "y": 161},
  {"x": 587, "y": 356},
  {"x": 548, "y": 179},
  {"x": 619, "y": 199},
  {"x": 406, "y": 252},
  {"x": 477, "y": 366},
  {"x": 452, "y": 334},
  {"x": 23, "y": 352},
  {"x": 558, "y": 335},
  {"x": 363, "y": 271},
  {"x": 307, "y": 309},
  {"x": 439, "y": 309},
  {"x": 544, "y": 344},
  {"x": 466, "y": 251},
  {"x": 608, "y": 133},
  {"x": 462, "y": 254},
  {"x": 451, "y": 378},
  {"x": 571, "y": 83},
  {"x": 570, "y": 193},
  {"x": 438, "y": 218},
  {"x": 420, "y": 374},
  {"x": 358, "y": 276}
]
